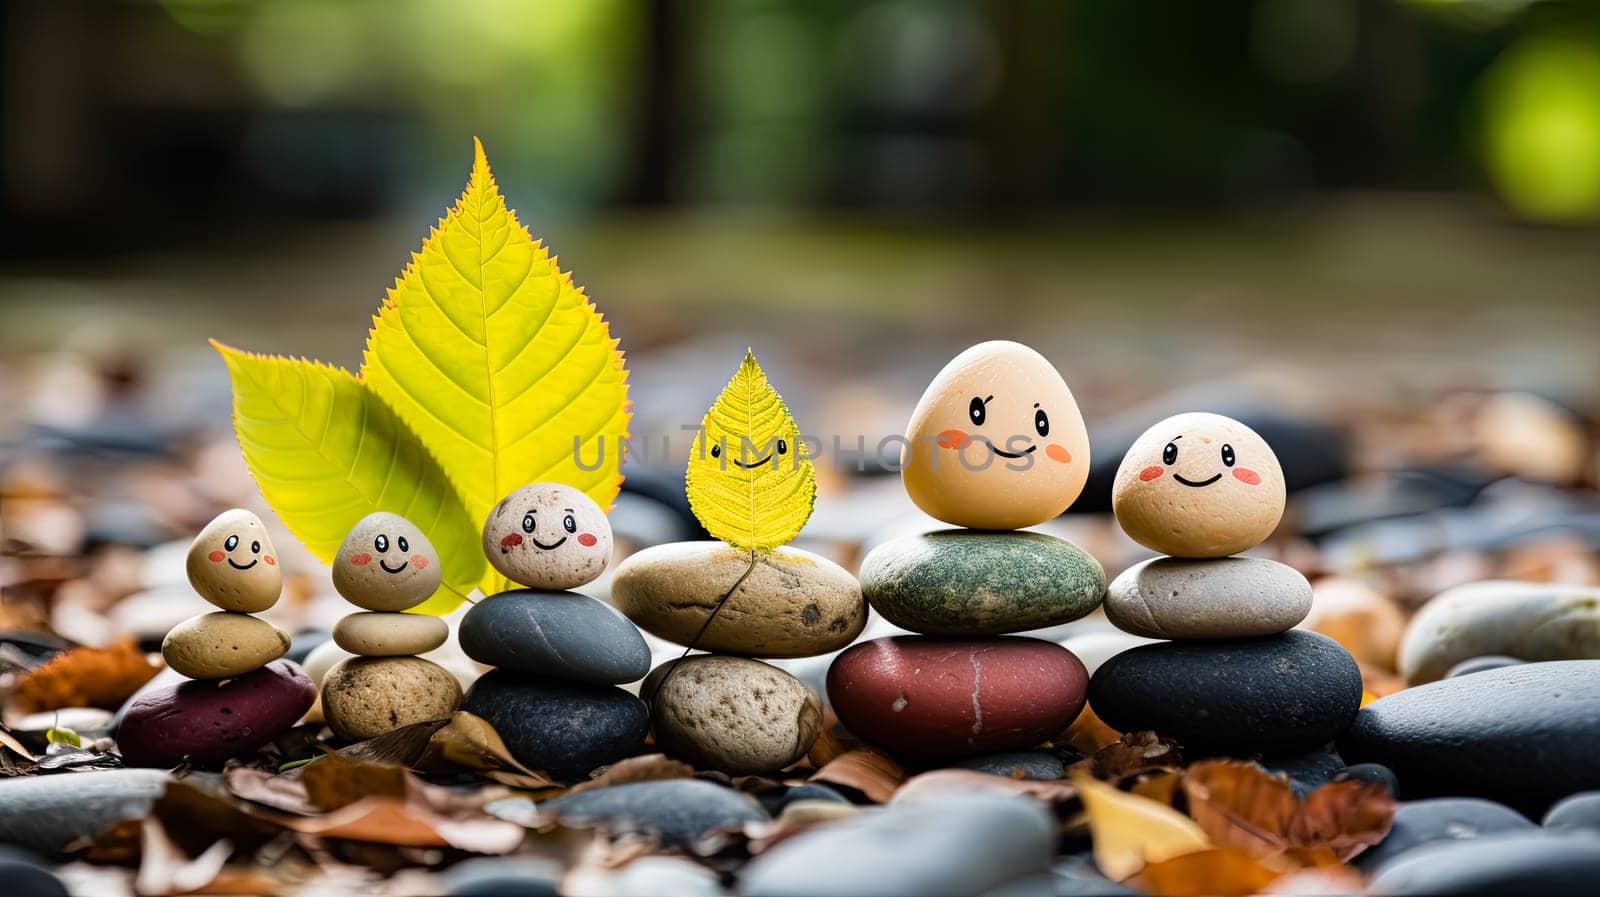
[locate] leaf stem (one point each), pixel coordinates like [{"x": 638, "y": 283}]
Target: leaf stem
[{"x": 694, "y": 642}]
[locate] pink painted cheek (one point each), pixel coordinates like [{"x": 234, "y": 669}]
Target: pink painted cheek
[
  {"x": 1247, "y": 476},
  {"x": 1058, "y": 453},
  {"x": 271, "y": 561},
  {"x": 361, "y": 560},
  {"x": 216, "y": 557},
  {"x": 420, "y": 562},
  {"x": 511, "y": 541},
  {"x": 1150, "y": 473},
  {"x": 587, "y": 540}
]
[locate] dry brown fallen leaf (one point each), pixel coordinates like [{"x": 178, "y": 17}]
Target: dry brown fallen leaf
[
  {"x": 1087, "y": 733},
  {"x": 1243, "y": 806},
  {"x": 645, "y": 768},
  {"x": 85, "y": 677},
  {"x": 1213, "y": 872},
  {"x": 1134, "y": 753},
  {"x": 948, "y": 781},
  {"x": 469, "y": 742},
  {"x": 1130, "y": 832},
  {"x": 337, "y": 796},
  {"x": 165, "y": 869},
  {"x": 866, "y": 770},
  {"x": 404, "y": 745}
]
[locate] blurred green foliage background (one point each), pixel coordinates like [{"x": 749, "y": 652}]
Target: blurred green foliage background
[
  {"x": 999, "y": 107},
  {"x": 1149, "y": 190}
]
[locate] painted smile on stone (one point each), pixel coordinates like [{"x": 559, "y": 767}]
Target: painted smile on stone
[
  {"x": 385, "y": 566},
  {"x": 241, "y": 566},
  {"x": 551, "y": 547},
  {"x": 1180, "y": 478},
  {"x": 1005, "y": 454}
]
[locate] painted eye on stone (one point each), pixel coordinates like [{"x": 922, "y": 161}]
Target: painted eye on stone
[
  {"x": 404, "y": 545},
  {"x": 255, "y": 547},
  {"x": 1169, "y": 455},
  {"x": 782, "y": 446},
  {"x": 381, "y": 543},
  {"x": 1041, "y": 422},
  {"x": 231, "y": 544},
  {"x": 527, "y": 522},
  {"x": 570, "y": 524},
  {"x": 976, "y": 411},
  {"x": 1227, "y": 455}
]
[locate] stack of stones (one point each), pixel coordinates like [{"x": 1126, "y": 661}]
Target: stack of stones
[
  {"x": 558, "y": 655},
  {"x": 996, "y": 443},
  {"x": 1233, "y": 677},
  {"x": 243, "y": 695},
  {"x": 385, "y": 566},
  {"x": 727, "y": 710}
]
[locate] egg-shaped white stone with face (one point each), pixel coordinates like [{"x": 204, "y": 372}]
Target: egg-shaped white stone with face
[
  {"x": 386, "y": 564},
  {"x": 997, "y": 441},
  {"x": 233, "y": 565},
  {"x": 548, "y": 536},
  {"x": 1199, "y": 485}
]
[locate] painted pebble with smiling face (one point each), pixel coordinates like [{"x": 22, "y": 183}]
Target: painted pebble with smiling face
[
  {"x": 386, "y": 564},
  {"x": 997, "y": 441},
  {"x": 1199, "y": 485},
  {"x": 548, "y": 536},
  {"x": 233, "y": 565}
]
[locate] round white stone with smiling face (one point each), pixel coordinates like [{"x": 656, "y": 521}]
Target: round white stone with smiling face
[
  {"x": 233, "y": 565},
  {"x": 386, "y": 564},
  {"x": 1199, "y": 485},
  {"x": 548, "y": 536},
  {"x": 997, "y": 441}
]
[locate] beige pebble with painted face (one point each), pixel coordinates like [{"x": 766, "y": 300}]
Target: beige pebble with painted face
[
  {"x": 383, "y": 634},
  {"x": 997, "y": 441},
  {"x": 233, "y": 565},
  {"x": 1199, "y": 485},
  {"x": 548, "y": 536},
  {"x": 386, "y": 564}
]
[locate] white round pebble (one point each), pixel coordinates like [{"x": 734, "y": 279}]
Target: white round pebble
[{"x": 548, "y": 536}]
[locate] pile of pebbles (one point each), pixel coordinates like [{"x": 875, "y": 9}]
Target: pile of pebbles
[
  {"x": 1232, "y": 676},
  {"x": 996, "y": 443},
  {"x": 241, "y": 695}
]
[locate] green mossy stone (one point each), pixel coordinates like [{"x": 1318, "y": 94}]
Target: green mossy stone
[{"x": 970, "y": 582}]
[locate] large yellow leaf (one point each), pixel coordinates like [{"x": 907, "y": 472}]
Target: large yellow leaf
[
  {"x": 326, "y": 452},
  {"x": 749, "y": 479},
  {"x": 1130, "y": 831},
  {"x": 497, "y": 361}
]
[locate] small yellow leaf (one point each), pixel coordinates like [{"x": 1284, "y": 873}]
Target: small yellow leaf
[
  {"x": 502, "y": 367},
  {"x": 325, "y": 452},
  {"x": 1130, "y": 831},
  {"x": 749, "y": 480}
]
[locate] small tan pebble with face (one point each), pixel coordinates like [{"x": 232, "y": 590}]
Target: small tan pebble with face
[
  {"x": 365, "y": 697},
  {"x": 376, "y": 634},
  {"x": 997, "y": 441},
  {"x": 233, "y": 565},
  {"x": 223, "y": 644},
  {"x": 386, "y": 564},
  {"x": 548, "y": 536},
  {"x": 1199, "y": 485},
  {"x": 733, "y": 714}
]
